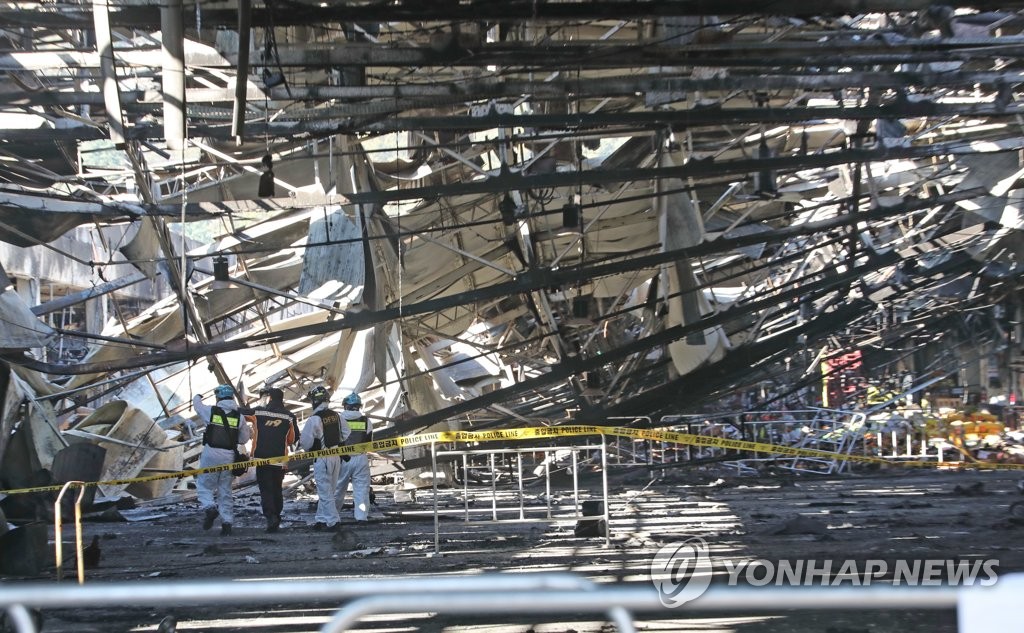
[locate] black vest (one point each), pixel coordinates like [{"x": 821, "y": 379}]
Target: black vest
[
  {"x": 331, "y": 423},
  {"x": 361, "y": 432},
  {"x": 222, "y": 430},
  {"x": 273, "y": 423}
]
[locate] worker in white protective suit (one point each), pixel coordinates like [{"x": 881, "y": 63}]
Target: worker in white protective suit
[
  {"x": 226, "y": 428},
  {"x": 355, "y": 468},
  {"x": 325, "y": 429}
]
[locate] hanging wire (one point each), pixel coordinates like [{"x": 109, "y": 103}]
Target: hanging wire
[
  {"x": 184, "y": 249},
  {"x": 266, "y": 119},
  {"x": 578, "y": 157},
  {"x": 398, "y": 258},
  {"x": 266, "y": 89}
]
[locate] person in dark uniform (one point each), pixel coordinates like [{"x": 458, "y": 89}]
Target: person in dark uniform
[
  {"x": 324, "y": 429},
  {"x": 274, "y": 431},
  {"x": 266, "y": 188},
  {"x": 226, "y": 428},
  {"x": 356, "y": 469}
]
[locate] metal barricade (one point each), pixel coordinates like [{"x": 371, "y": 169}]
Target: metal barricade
[
  {"x": 628, "y": 451},
  {"x": 58, "y": 529},
  {"x": 904, "y": 435},
  {"x": 832, "y": 430},
  {"x": 551, "y": 455}
]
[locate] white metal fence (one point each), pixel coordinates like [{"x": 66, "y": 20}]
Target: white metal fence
[
  {"x": 510, "y": 461},
  {"x": 512, "y": 593}
]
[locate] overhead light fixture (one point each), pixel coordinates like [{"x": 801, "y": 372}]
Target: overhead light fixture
[
  {"x": 581, "y": 307},
  {"x": 764, "y": 179},
  {"x": 593, "y": 383},
  {"x": 266, "y": 186},
  {"x": 571, "y": 215},
  {"x": 221, "y": 269},
  {"x": 221, "y": 273},
  {"x": 580, "y": 312},
  {"x": 507, "y": 208}
]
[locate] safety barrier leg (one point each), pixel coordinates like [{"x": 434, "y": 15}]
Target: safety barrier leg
[
  {"x": 21, "y": 618},
  {"x": 58, "y": 529},
  {"x": 604, "y": 492},
  {"x": 433, "y": 482}
]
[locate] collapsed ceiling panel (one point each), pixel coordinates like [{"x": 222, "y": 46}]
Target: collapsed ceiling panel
[{"x": 475, "y": 211}]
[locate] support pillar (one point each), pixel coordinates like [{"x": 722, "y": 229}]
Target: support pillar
[
  {"x": 108, "y": 72},
  {"x": 242, "y": 72},
  {"x": 173, "y": 37}
]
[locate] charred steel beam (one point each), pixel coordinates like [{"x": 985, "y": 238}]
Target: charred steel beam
[
  {"x": 89, "y": 293},
  {"x": 334, "y": 120},
  {"x": 146, "y": 14},
  {"x": 567, "y": 368},
  {"x": 705, "y": 380},
  {"x": 577, "y": 366},
  {"x": 844, "y": 53},
  {"x": 527, "y": 281},
  {"x": 206, "y": 210},
  {"x": 524, "y": 283},
  {"x": 694, "y": 169},
  {"x": 516, "y": 55},
  {"x": 497, "y": 88},
  {"x": 815, "y": 327},
  {"x": 631, "y": 122},
  {"x": 691, "y": 388},
  {"x": 686, "y": 118}
]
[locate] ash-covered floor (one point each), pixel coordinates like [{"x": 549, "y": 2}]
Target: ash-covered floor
[{"x": 888, "y": 515}]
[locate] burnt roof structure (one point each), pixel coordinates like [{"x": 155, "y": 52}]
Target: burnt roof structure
[{"x": 485, "y": 211}]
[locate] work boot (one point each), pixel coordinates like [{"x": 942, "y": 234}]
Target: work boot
[
  {"x": 319, "y": 526},
  {"x": 209, "y": 518},
  {"x": 225, "y": 529}
]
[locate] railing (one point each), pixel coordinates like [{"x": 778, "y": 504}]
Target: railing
[
  {"x": 624, "y": 451},
  {"x": 840, "y": 432},
  {"x": 981, "y": 609},
  {"x": 832, "y": 430},
  {"x": 551, "y": 454},
  {"x": 883, "y": 435},
  {"x": 905, "y": 436}
]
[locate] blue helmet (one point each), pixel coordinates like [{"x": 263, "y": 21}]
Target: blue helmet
[
  {"x": 224, "y": 392},
  {"x": 352, "y": 401}
]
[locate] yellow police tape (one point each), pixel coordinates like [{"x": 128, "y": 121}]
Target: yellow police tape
[{"x": 656, "y": 435}]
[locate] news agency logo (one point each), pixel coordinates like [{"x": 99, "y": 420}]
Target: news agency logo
[
  {"x": 856, "y": 573},
  {"x": 681, "y": 572}
]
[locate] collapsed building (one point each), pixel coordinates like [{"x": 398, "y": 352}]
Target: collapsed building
[{"x": 489, "y": 215}]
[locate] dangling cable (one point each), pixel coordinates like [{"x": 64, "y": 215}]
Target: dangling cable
[
  {"x": 272, "y": 46},
  {"x": 184, "y": 250},
  {"x": 398, "y": 255},
  {"x": 578, "y": 155},
  {"x": 269, "y": 45},
  {"x": 266, "y": 119}
]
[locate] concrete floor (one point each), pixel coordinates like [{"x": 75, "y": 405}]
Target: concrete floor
[{"x": 891, "y": 516}]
